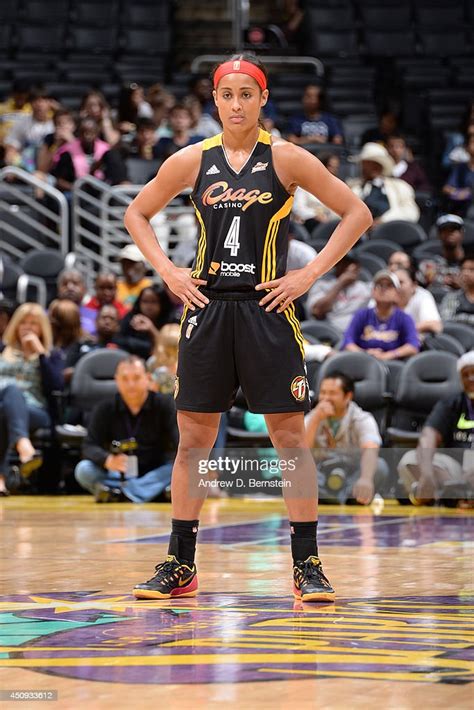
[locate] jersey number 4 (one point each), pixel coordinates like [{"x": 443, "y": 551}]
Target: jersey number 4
[{"x": 232, "y": 238}]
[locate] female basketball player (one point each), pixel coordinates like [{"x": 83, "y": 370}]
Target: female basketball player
[{"x": 239, "y": 325}]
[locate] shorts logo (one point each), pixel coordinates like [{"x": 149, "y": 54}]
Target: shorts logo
[
  {"x": 176, "y": 387},
  {"x": 192, "y": 323},
  {"x": 230, "y": 269},
  {"x": 298, "y": 388}
]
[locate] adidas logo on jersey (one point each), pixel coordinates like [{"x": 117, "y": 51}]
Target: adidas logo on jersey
[
  {"x": 213, "y": 170},
  {"x": 259, "y": 166}
]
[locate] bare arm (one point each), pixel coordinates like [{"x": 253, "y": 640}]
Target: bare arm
[
  {"x": 175, "y": 175},
  {"x": 296, "y": 167}
]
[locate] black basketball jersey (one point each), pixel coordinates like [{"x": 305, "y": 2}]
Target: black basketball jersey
[{"x": 243, "y": 216}]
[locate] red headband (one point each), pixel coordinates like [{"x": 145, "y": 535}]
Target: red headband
[{"x": 240, "y": 66}]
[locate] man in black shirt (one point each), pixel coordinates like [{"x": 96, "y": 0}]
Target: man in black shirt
[
  {"x": 425, "y": 471},
  {"x": 130, "y": 441}
]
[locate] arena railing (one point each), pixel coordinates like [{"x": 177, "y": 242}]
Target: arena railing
[
  {"x": 98, "y": 211},
  {"x": 285, "y": 62},
  {"x": 33, "y": 214}
]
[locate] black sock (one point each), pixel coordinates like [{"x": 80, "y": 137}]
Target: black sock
[
  {"x": 304, "y": 540},
  {"x": 183, "y": 539}
]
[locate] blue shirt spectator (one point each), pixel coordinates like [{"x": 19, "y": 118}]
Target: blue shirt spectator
[{"x": 314, "y": 124}]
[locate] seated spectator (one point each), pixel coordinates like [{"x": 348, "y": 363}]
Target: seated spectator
[
  {"x": 132, "y": 107},
  {"x": 200, "y": 87},
  {"x": 139, "y": 329},
  {"x": 145, "y": 140},
  {"x": 29, "y": 372},
  {"x": 444, "y": 270},
  {"x": 384, "y": 331},
  {"x": 460, "y": 183},
  {"x": 456, "y": 141},
  {"x": 314, "y": 124},
  {"x": 133, "y": 279},
  {"x": 87, "y": 155},
  {"x": 164, "y": 362},
  {"x": 27, "y": 134},
  {"x": 94, "y": 105},
  {"x": 406, "y": 167},
  {"x": 130, "y": 441},
  {"x": 72, "y": 287},
  {"x": 418, "y": 303},
  {"x": 105, "y": 294},
  {"x": 400, "y": 260},
  {"x": 68, "y": 336},
  {"x": 161, "y": 102},
  {"x": 388, "y": 198},
  {"x": 336, "y": 298},
  {"x": 64, "y": 127},
  {"x": 387, "y": 126},
  {"x": 459, "y": 305},
  {"x": 307, "y": 209},
  {"x": 15, "y": 107},
  {"x": 180, "y": 121},
  {"x": 203, "y": 125},
  {"x": 339, "y": 423},
  {"x": 424, "y": 472},
  {"x": 7, "y": 309}
]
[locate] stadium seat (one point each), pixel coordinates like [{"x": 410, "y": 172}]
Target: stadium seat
[
  {"x": 432, "y": 247},
  {"x": 382, "y": 248},
  {"x": 390, "y": 44},
  {"x": 93, "y": 378},
  {"x": 406, "y": 234},
  {"x": 444, "y": 43},
  {"x": 92, "y": 40},
  {"x": 324, "y": 230},
  {"x": 146, "y": 42},
  {"x": 371, "y": 262},
  {"x": 145, "y": 15},
  {"x": 382, "y": 17},
  {"x": 444, "y": 342},
  {"x": 343, "y": 43},
  {"x": 45, "y": 264},
  {"x": 96, "y": 14},
  {"x": 425, "y": 379},
  {"x": 370, "y": 380},
  {"x": 48, "y": 39},
  {"x": 322, "y": 332},
  {"x": 439, "y": 18},
  {"x": 327, "y": 17},
  {"x": 462, "y": 332},
  {"x": 51, "y": 13},
  {"x": 9, "y": 275}
]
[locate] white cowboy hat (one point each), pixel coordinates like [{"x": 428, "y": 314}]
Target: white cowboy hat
[{"x": 379, "y": 154}]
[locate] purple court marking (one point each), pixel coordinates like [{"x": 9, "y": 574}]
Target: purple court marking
[
  {"x": 339, "y": 530},
  {"x": 208, "y": 639}
]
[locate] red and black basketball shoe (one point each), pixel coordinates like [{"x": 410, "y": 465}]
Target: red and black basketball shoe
[
  {"x": 171, "y": 579},
  {"x": 310, "y": 584}
]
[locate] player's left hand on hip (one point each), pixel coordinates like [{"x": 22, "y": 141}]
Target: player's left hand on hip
[{"x": 284, "y": 290}]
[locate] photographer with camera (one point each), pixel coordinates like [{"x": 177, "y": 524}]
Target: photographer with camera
[
  {"x": 338, "y": 425},
  {"x": 131, "y": 440}
]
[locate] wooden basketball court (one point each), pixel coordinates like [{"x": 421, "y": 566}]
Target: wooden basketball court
[{"x": 400, "y": 635}]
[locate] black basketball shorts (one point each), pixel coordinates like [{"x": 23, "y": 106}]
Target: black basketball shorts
[{"x": 233, "y": 341}]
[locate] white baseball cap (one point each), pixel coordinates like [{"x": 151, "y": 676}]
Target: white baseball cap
[{"x": 132, "y": 253}]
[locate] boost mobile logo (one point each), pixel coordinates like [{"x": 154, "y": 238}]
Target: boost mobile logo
[{"x": 229, "y": 269}]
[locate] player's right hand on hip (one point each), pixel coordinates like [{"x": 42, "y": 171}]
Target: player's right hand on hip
[{"x": 181, "y": 283}]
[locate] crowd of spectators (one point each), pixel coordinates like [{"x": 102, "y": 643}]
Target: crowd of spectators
[
  {"x": 388, "y": 313},
  {"x": 43, "y": 136}
]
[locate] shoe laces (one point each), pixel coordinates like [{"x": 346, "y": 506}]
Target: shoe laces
[
  {"x": 167, "y": 570},
  {"x": 312, "y": 569}
]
